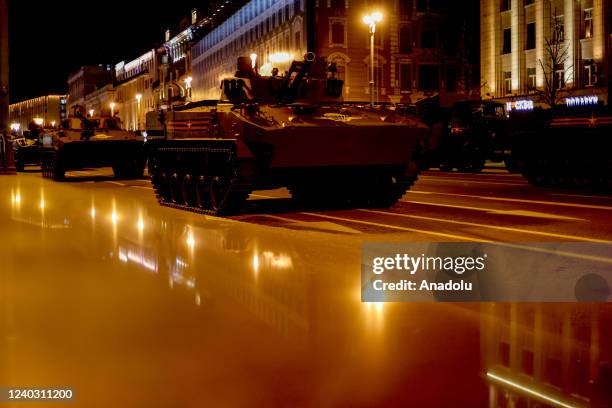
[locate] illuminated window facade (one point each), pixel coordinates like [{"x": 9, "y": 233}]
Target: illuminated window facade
[
  {"x": 50, "y": 108},
  {"x": 412, "y": 33},
  {"x": 514, "y": 36}
]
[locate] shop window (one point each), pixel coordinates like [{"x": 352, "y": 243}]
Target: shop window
[
  {"x": 559, "y": 78},
  {"x": 531, "y": 79},
  {"x": 507, "y": 83}
]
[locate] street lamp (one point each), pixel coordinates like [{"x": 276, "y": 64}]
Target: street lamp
[
  {"x": 253, "y": 60},
  {"x": 371, "y": 21},
  {"x": 138, "y": 99},
  {"x": 112, "y": 107},
  {"x": 91, "y": 112}
]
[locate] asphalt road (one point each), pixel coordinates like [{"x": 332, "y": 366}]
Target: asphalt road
[{"x": 134, "y": 304}]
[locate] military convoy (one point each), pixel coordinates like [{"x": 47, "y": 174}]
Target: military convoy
[
  {"x": 92, "y": 142},
  {"x": 564, "y": 147},
  {"x": 289, "y": 131}
]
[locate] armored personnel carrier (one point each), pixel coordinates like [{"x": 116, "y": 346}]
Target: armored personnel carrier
[
  {"x": 291, "y": 130},
  {"x": 564, "y": 147},
  {"x": 92, "y": 142},
  {"x": 27, "y": 149}
]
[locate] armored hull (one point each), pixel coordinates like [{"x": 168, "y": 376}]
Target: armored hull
[
  {"x": 565, "y": 147},
  {"x": 93, "y": 146},
  {"x": 291, "y": 131}
]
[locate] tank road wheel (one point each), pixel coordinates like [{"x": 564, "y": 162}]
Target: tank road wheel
[
  {"x": 161, "y": 186},
  {"x": 176, "y": 189},
  {"x": 219, "y": 190},
  {"x": 202, "y": 192},
  {"x": 188, "y": 190}
]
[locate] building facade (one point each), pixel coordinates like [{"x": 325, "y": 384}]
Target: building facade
[
  {"x": 518, "y": 40},
  {"x": 419, "y": 48},
  {"x": 85, "y": 81},
  {"x": 540, "y": 356},
  {"x": 46, "y": 110}
]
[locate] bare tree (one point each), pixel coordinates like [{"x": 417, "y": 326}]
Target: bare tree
[{"x": 556, "y": 54}]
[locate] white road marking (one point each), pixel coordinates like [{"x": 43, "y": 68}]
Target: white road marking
[
  {"x": 521, "y": 213},
  {"x": 116, "y": 183},
  {"x": 143, "y": 187},
  {"x": 581, "y": 196},
  {"x": 463, "y": 180},
  {"x": 395, "y": 227},
  {"x": 501, "y": 228},
  {"x": 517, "y": 200}
]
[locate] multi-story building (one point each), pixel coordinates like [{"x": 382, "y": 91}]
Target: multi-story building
[
  {"x": 134, "y": 94},
  {"x": 86, "y": 80},
  {"x": 418, "y": 48},
  {"x": 539, "y": 355},
  {"x": 46, "y": 110},
  {"x": 519, "y": 41}
]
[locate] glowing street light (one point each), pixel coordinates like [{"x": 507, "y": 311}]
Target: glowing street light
[
  {"x": 188, "y": 82},
  {"x": 253, "y": 60},
  {"x": 39, "y": 121},
  {"x": 371, "y": 21},
  {"x": 15, "y": 126},
  {"x": 112, "y": 108},
  {"x": 91, "y": 113},
  {"x": 53, "y": 123}
]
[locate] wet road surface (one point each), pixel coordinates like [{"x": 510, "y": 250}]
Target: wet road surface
[{"x": 132, "y": 304}]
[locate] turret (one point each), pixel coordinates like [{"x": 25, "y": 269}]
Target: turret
[{"x": 310, "y": 80}]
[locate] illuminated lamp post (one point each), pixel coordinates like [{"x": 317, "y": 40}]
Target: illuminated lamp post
[
  {"x": 112, "y": 108},
  {"x": 371, "y": 21}
]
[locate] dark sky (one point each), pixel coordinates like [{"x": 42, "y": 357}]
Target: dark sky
[{"x": 51, "y": 38}]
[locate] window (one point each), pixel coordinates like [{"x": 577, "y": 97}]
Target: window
[
  {"x": 559, "y": 29},
  {"x": 559, "y": 76},
  {"x": 338, "y": 4},
  {"x": 531, "y": 79},
  {"x": 297, "y": 7},
  {"x": 405, "y": 77},
  {"x": 428, "y": 36},
  {"x": 528, "y": 2},
  {"x": 452, "y": 75},
  {"x": 405, "y": 40},
  {"x": 428, "y": 78},
  {"x": 588, "y": 23},
  {"x": 405, "y": 7},
  {"x": 590, "y": 73},
  {"x": 531, "y": 36},
  {"x": 337, "y": 30},
  {"x": 506, "y": 5},
  {"x": 507, "y": 83},
  {"x": 507, "y": 46}
]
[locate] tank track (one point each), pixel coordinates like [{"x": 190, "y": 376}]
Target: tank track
[{"x": 191, "y": 187}]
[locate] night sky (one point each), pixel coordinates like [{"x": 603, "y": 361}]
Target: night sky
[{"x": 50, "y": 39}]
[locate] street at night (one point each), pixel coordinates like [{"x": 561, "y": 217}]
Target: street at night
[
  {"x": 154, "y": 306},
  {"x": 306, "y": 204}
]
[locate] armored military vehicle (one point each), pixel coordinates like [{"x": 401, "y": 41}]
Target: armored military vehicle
[
  {"x": 92, "y": 142},
  {"x": 291, "y": 130},
  {"x": 567, "y": 146},
  {"x": 27, "y": 149},
  {"x": 477, "y": 131}
]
